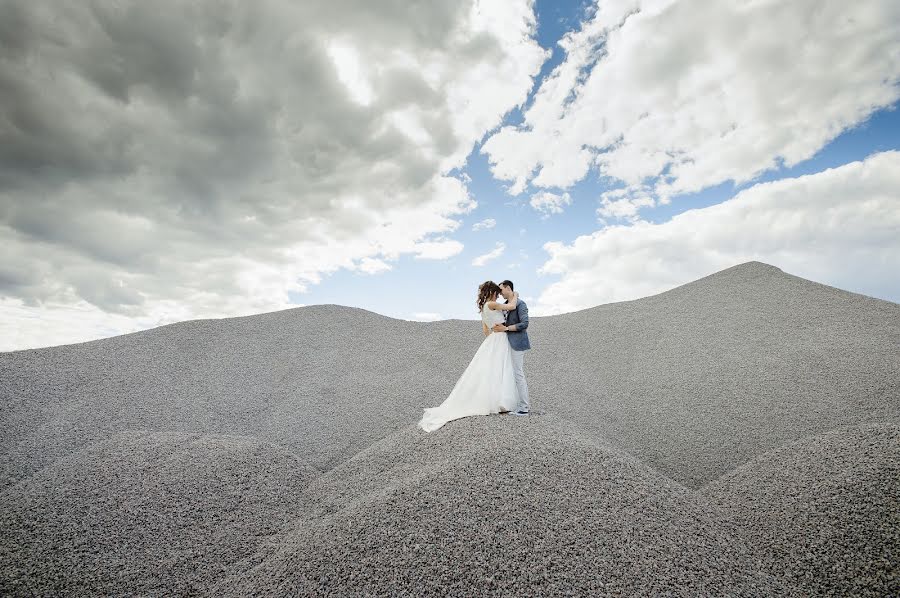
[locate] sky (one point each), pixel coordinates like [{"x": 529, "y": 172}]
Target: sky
[{"x": 173, "y": 161}]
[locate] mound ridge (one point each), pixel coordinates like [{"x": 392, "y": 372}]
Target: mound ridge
[
  {"x": 313, "y": 380},
  {"x": 315, "y": 407},
  {"x": 823, "y": 511},
  {"x": 480, "y": 510},
  {"x": 154, "y": 512},
  {"x": 702, "y": 378}
]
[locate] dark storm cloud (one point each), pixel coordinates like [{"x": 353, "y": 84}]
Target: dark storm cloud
[
  {"x": 174, "y": 104},
  {"x": 151, "y": 136}
]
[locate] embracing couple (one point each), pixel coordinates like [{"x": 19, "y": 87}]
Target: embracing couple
[{"x": 494, "y": 381}]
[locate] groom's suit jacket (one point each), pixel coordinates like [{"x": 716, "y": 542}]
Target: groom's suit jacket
[{"x": 518, "y": 340}]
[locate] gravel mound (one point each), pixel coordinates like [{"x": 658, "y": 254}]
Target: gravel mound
[
  {"x": 701, "y": 379},
  {"x": 148, "y": 512},
  {"x": 824, "y": 511},
  {"x": 691, "y": 384},
  {"x": 324, "y": 381},
  {"x": 501, "y": 506},
  {"x": 695, "y": 381}
]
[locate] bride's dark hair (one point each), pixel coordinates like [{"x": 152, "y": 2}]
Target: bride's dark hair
[{"x": 487, "y": 291}]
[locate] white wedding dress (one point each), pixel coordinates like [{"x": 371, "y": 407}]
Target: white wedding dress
[{"x": 487, "y": 386}]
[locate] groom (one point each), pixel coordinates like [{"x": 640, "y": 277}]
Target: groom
[{"x": 516, "y": 323}]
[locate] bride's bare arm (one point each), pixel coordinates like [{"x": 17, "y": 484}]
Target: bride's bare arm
[
  {"x": 508, "y": 306},
  {"x": 486, "y": 330}
]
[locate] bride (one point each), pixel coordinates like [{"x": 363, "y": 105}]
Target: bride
[{"x": 487, "y": 386}]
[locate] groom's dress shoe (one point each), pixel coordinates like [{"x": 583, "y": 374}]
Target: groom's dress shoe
[{"x": 520, "y": 412}]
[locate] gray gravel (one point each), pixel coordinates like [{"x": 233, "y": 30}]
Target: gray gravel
[
  {"x": 682, "y": 388},
  {"x": 501, "y": 506},
  {"x": 824, "y": 511},
  {"x": 148, "y": 512}
]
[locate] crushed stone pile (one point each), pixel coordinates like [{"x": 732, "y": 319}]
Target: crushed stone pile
[{"x": 736, "y": 435}]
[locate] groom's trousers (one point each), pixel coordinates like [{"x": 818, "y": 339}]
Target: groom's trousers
[{"x": 518, "y": 358}]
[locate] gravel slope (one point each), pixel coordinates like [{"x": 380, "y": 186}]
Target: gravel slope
[
  {"x": 701, "y": 379},
  {"x": 501, "y": 506},
  {"x": 824, "y": 511},
  {"x": 690, "y": 384},
  {"x": 151, "y": 512}
]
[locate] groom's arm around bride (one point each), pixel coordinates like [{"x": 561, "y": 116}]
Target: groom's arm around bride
[
  {"x": 517, "y": 323},
  {"x": 522, "y": 313}
]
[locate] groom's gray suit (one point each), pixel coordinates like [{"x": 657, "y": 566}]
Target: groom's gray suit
[{"x": 519, "y": 343}]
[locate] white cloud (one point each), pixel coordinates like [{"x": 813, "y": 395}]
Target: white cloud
[
  {"x": 234, "y": 154},
  {"x": 347, "y": 64},
  {"x": 486, "y": 224},
  {"x": 498, "y": 250},
  {"x": 28, "y": 327},
  {"x": 687, "y": 94},
  {"x": 550, "y": 203},
  {"x": 840, "y": 227},
  {"x": 623, "y": 204},
  {"x": 439, "y": 249},
  {"x": 370, "y": 266}
]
